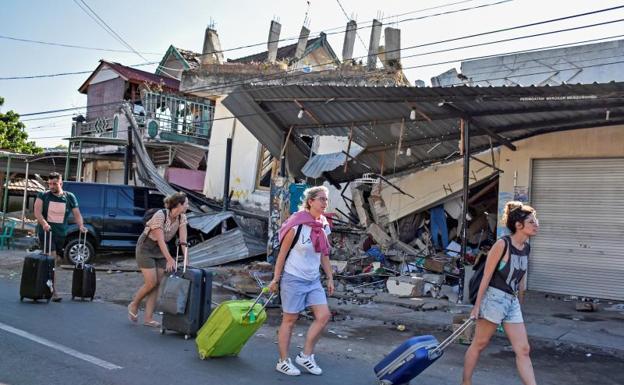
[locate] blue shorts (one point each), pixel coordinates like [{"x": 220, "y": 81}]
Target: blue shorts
[
  {"x": 498, "y": 306},
  {"x": 298, "y": 293}
]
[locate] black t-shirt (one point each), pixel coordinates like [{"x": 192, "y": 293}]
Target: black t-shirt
[{"x": 508, "y": 275}]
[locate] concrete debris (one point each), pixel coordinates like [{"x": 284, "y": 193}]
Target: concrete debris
[{"x": 587, "y": 306}]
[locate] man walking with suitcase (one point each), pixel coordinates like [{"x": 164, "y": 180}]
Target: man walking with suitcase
[{"x": 52, "y": 210}]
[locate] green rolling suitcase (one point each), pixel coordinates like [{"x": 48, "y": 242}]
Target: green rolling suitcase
[{"x": 230, "y": 326}]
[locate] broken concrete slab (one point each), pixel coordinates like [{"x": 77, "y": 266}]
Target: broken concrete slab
[
  {"x": 406, "y": 286},
  {"x": 380, "y": 236}
]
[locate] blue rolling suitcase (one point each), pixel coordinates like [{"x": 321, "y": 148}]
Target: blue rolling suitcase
[{"x": 413, "y": 356}]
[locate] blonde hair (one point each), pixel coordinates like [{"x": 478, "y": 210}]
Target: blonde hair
[
  {"x": 311, "y": 193},
  {"x": 516, "y": 211}
]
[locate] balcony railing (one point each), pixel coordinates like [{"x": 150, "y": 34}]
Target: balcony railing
[
  {"x": 163, "y": 116},
  {"x": 178, "y": 115}
]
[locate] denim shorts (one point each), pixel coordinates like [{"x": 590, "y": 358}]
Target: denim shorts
[
  {"x": 498, "y": 306},
  {"x": 298, "y": 293}
]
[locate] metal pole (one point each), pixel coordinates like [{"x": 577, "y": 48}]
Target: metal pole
[
  {"x": 25, "y": 195},
  {"x": 464, "y": 209},
  {"x": 5, "y": 202},
  {"x": 128, "y": 157},
  {"x": 79, "y": 165},
  {"x": 226, "y": 181},
  {"x": 67, "y": 162}
]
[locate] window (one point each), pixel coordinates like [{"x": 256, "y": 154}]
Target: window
[
  {"x": 88, "y": 196},
  {"x": 154, "y": 200},
  {"x": 126, "y": 201},
  {"x": 265, "y": 166}
]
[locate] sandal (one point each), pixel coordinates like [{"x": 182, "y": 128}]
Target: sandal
[
  {"x": 152, "y": 324},
  {"x": 132, "y": 316}
]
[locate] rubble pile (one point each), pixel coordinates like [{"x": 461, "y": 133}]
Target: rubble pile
[{"x": 377, "y": 260}]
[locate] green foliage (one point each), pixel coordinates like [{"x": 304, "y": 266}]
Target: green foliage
[{"x": 12, "y": 135}]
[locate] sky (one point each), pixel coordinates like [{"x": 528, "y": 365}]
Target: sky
[{"x": 151, "y": 26}]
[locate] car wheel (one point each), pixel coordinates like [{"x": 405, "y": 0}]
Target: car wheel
[{"x": 79, "y": 253}]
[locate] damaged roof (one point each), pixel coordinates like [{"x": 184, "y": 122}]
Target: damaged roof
[
  {"x": 409, "y": 128},
  {"x": 132, "y": 75},
  {"x": 288, "y": 51}
]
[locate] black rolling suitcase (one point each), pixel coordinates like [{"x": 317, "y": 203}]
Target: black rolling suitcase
[
  {"x": 83, "y": 279},
  {"x": 198, "y": 305},
  {"x": 38, "y": 273}
]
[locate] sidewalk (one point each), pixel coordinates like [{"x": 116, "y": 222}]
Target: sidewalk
[{"x": 549, "y": 318}]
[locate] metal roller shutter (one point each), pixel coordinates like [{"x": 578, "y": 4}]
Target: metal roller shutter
[{"x": 580, "y": 246}]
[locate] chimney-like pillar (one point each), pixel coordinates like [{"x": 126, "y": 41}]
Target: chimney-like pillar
[
  {"x": 274, "y": 33},
  {"x": 211, "y": 54},
  {"x": 303, "y": 42},
  {"x": 349, "y": 41},
  {"x": 373, "y": 46},
  {"x": 392, "y": 54}
]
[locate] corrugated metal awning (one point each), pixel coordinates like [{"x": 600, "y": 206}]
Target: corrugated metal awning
[{"x": 381, "y": 119}]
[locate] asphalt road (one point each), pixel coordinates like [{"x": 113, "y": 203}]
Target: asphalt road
[{"x": 94, "y": 343}]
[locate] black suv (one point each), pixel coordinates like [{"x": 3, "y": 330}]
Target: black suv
[{"x": 114, "y": 216}]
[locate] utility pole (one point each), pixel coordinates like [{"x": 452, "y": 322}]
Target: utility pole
[{"x": 128, "y": 157}]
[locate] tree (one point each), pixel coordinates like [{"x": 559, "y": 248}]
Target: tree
[{"x": 12, "y": 134}]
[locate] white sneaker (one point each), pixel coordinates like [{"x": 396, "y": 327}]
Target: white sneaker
[
  {"x": 309, "y": 364},
  {"x": 286, "y": 366}
]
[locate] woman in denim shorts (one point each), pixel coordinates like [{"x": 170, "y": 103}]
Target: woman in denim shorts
[
  {"x": 502, "y": 290},
  {"x": 306, "y": 231}
]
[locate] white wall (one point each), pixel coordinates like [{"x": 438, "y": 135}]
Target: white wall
[{"x": 245, "y": 153}]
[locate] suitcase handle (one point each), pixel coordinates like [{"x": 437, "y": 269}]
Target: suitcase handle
[
  {"x": 81, "y": 246},
  {"x": 262, "y": 292},
  {"x": 46, "y": 242},
  {"x": 185, "y": 260},
  {"x": 444, "y": 344}
]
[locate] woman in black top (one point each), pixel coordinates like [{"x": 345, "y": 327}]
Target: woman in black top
[{"x": 502, "y": 290}]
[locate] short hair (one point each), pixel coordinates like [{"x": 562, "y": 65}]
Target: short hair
[
  {"x": 175, "y": 199},
  {"x": 55, "y": 175},
  {"x": 312, "y": 193},
  {"x": 516, "y": 211}
]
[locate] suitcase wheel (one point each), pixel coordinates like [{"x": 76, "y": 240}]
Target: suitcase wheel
[
  {"x": 202, "y": 354},
  {"x": 187, "y": 336}
]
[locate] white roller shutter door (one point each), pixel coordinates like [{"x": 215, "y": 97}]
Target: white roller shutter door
[{"x": 580, "y": 246}]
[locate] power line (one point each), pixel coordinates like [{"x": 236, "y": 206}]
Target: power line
[
  {"x": 72, "y": 45},
  {"x": 295, "y": 108},
  {"x": 67, "y": 73},
  {"x": 458, "y": 38},
  {"x": 348, "y": 19},
  {"x": 283, "y": 76},
  {"x": 107, "y": 28},
  {"x": 410, "y": 47},
  {"x": 566, "y": 45},
  {"x": 409, "y": 67}
]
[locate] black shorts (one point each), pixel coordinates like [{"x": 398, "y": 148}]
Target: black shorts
[{"x": 58, "y": 242}]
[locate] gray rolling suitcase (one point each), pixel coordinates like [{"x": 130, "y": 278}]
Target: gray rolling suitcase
[{"x": 198, "y": 305}]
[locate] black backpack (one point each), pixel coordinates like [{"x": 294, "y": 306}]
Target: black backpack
[
  {"x": 479, "y": 268},
  {"x": 150, "y": 213}
]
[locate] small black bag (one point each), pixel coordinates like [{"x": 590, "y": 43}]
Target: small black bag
[{"x": 479, "y": 268}]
